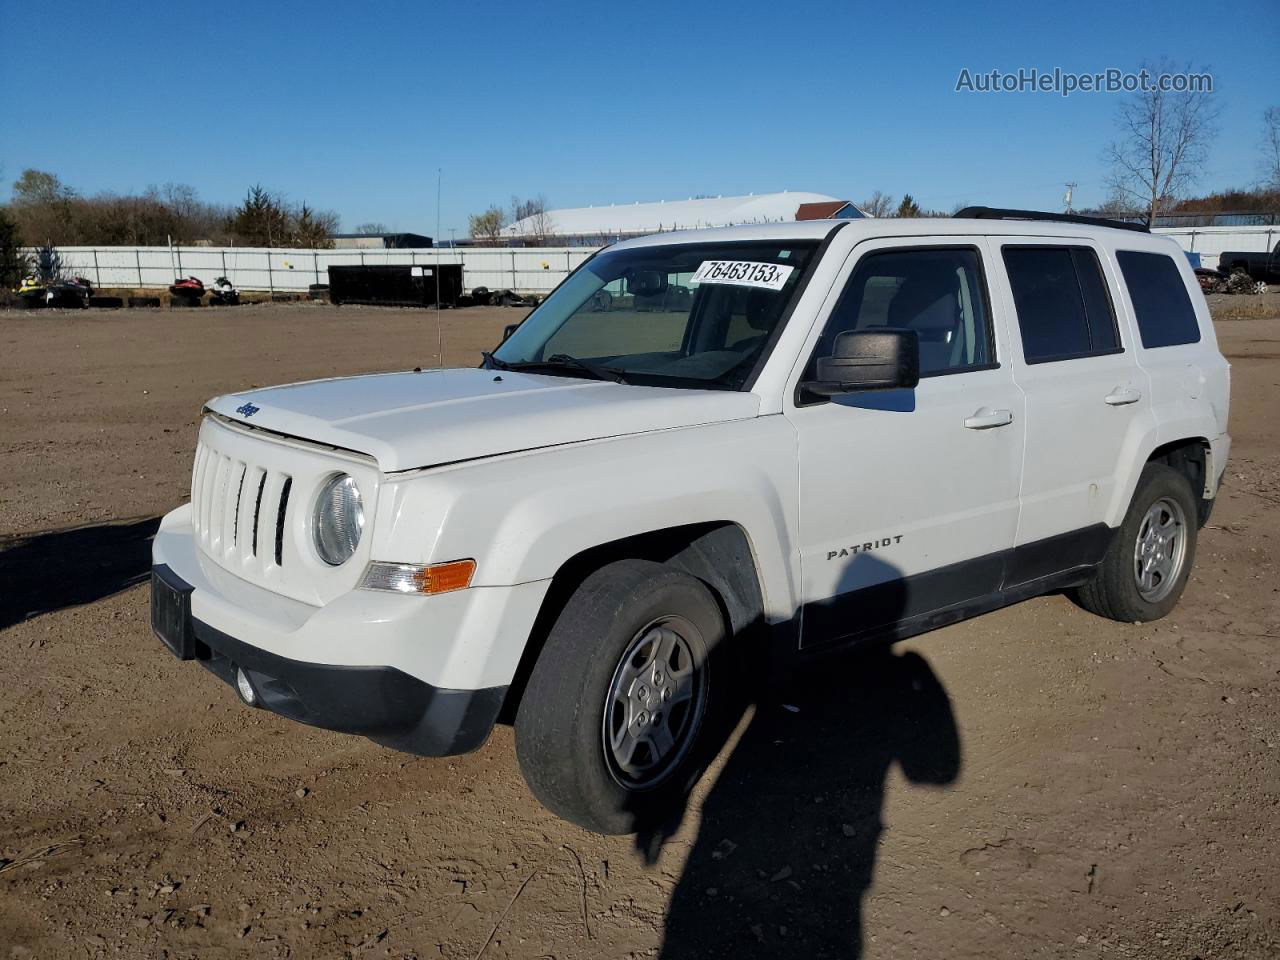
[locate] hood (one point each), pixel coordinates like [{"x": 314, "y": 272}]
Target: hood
[{"x": 411, "y": 420}]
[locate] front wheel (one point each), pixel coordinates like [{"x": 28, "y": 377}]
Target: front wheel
[
  {"x": 618, "y": 719},
  {"x": 1147, "y": 565}
]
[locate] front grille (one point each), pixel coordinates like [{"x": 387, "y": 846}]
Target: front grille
[{"x": 239, "y": 510}]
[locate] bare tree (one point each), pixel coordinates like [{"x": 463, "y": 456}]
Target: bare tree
[
  {"x": 1164, "y": 143},
  {"x": 531, "y": 220},
  {"x": 373, "y": 226},
  {"x": 44, "y": 208},
  {"x": 181, "y": 198},
  {"x": 878, "y": 205},
  {"x": 313, "y": 228},
  {"x": 1271, "y": 148},
  {"x": 486, "y": 228}
]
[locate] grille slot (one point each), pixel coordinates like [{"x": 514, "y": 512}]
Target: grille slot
[
  {"x": 257, "y": 511},
  {"x": 235, "y": 521},
  {"x": 280, "y": 515}
]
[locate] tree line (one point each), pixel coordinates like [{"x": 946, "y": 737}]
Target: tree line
[{"x": 44, "y": 210}]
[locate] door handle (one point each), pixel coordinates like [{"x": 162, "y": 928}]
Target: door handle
[
  {"x": 1122, "y": 395},
  {"x": 986, "y": 418}
]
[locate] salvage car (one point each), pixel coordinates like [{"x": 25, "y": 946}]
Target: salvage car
[
  {"x": 1262, "y": 268},
  {"x": 765, "y": 443}
]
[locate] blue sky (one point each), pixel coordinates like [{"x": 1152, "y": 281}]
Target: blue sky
[{"x": 354, "y": 106}]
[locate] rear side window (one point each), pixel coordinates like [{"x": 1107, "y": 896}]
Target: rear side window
[
  {"x": 1064, "y": 310},
  {"x": 1165, "y": 315}
]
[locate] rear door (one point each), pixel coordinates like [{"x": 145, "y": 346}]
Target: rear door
[{"x": 1088, "y": 402}]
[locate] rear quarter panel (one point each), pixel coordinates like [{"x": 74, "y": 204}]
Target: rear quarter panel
[{"x": 1190, "y": 383}]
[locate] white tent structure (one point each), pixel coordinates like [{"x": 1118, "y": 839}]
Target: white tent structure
[{"x": 596, "y": 225}]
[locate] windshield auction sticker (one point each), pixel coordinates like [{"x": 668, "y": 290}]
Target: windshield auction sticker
[{"x": 743, "y": 273}]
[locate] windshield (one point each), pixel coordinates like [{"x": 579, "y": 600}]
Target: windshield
[{"x": 685, "y": 315}]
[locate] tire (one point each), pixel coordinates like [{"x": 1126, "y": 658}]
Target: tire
[
  {"x": 599, "y": 647},
  {"x": 1115, "y": 591}
]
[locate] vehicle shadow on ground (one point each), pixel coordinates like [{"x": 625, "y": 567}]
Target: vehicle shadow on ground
[
  {"x": 787, "y": 845},
  {"x": 44, "y": 572}
]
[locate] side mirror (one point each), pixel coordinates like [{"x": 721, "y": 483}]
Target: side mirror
[
  {"x": 885, "y": 358},
  {"x": 508, "y": 330}
]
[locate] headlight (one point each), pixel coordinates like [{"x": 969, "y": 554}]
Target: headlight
[{"x": 338, "y": 520}]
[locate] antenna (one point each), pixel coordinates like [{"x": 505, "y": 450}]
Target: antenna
[
  {"x": 1071, "y": 189},
  {"x": 436, "y": 241}
]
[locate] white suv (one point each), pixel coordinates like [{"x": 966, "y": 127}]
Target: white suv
[{"x": 703, "y": 452}]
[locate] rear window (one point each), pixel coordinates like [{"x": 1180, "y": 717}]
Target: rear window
[
  {"x": 1064, "y": 310},
  {"x": 1165, "y": 315}
]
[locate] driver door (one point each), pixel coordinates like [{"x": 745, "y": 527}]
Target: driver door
[{"x": 909, "y": 498}]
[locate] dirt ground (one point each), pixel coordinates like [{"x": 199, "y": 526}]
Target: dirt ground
[{"x": 1034, "y": 783}]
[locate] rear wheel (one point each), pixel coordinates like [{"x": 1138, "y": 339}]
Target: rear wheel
[
  {"x": 1146, "y": 568},
  {"x": 620, "y": 712}
]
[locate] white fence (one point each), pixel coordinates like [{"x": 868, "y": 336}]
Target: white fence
[
  {"x": 1211, "y": 241},
  {"x": 527, "y": 269}
]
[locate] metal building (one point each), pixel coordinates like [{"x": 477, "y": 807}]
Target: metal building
[
  {"x": 594, "y": 226},
  {"x": 380, "y": 241}
]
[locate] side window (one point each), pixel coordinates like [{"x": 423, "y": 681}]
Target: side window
[
  {"x": 938, "y": 292},
  {"x": 1165, "y": 315},
  {"x": 1064, "y": 310}
]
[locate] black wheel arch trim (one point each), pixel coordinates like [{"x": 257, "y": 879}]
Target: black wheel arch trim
[{"x": 717, "y": 553}]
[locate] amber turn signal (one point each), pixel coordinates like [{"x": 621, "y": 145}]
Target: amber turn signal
[{"x": 416, "y": 578}]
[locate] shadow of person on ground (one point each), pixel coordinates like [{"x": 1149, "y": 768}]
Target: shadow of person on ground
[
  {"x": 787, "y": 845},
  {"x": 43, "y": 572}
]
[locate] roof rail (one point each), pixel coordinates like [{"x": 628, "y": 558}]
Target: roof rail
[{"x": 996, "y": 213}]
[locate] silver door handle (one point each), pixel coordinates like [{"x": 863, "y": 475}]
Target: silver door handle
[
  {"x": 1122, "y": 395},
  {"x": 985, "y": 419}
]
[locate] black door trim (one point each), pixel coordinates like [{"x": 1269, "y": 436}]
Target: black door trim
[{"x": 925, "y": 601}]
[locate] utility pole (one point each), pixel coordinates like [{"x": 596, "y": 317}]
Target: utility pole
[
  {"x": 436, "y": 269},
  {"x": 1071, "y": 189}
]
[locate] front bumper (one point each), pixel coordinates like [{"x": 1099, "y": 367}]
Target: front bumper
[
  {"x": 382, "y": 703},
  {"x": 427, "y": 675}
]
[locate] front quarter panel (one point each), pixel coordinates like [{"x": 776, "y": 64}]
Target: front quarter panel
[{"x": 522, "y": 517}]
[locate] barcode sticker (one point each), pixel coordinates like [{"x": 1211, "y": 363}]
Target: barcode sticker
[{"x": 743, "y": 273}]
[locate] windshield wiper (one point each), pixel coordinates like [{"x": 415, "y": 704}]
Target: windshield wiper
[
  {"x": 490, "y": 362},
  {"x": 563, "y": 361}
]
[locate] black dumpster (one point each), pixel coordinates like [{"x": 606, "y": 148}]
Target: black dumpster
[{"x": 398, "y": 286}]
